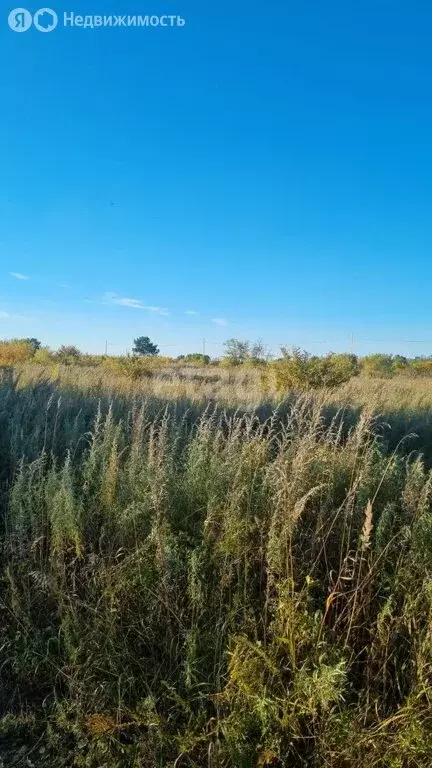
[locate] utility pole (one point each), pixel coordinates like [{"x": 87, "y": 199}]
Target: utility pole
[
  {"x": 352, "y": 343},
  {"x": 106, "y": 348},
  {"x": 204, "y": 347}
]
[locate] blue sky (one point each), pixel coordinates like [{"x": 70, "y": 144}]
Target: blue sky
[{"x": 268, "y": 167}]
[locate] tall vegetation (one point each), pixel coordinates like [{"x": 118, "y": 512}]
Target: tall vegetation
[
  {"x": 16, "y": 351},
  {"x": 68, "y": 353},
  {"x": 144, "y": 347},
  {"x": 199, "y": 587},
  {"x": 239, "y": 352},
  {"x": 297, "y": 369}
]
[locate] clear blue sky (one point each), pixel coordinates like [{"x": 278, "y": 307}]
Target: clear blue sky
[{"x": 267, "y": 167}]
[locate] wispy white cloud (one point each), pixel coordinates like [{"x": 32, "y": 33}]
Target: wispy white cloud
[
  {"x": 19, "y": 276},
  {"x": 158, "y": 310},
  {"x": 63, "y": 285},
  {"x": 125, "y": 301},
  {"x": 8, "y": 316},
  {"x": 221, "y": 321},
  {"x": 191, "y": 312}
]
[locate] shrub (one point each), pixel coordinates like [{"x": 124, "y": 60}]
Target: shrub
[
  {"x": 15, "y": 351},
  {"x": 196, "y": 358},
  {"x": 136, "y": 367},
  {"x": 131, "y": 367},
  {"x": 400, "y": 363},
  {"x": 68, "y": 354},
  {"x": 299, "y": 370},
  {"x": 378, "y": 365},
  {"x": 420, "y": 367},
  {"x": 44, "y": 356}
]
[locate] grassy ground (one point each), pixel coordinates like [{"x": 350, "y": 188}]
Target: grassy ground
[
  {"x": 193, "y": 574},
  {"x": 226, "y": 386}
]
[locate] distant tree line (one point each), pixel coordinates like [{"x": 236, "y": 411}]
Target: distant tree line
[{"x": 293, "y": 369}]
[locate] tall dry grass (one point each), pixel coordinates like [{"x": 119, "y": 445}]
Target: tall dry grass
[{"x": 192, "y": 583}]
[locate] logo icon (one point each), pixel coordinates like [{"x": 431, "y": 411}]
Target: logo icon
[
  {"x": 45, "y": 20},
  {"x": 20, "y": 20}
]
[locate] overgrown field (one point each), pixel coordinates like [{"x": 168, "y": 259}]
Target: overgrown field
[{"x": 193, "y": 574}]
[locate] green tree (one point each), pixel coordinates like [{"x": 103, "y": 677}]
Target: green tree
[
  {"x": 400, "y": 363},
  {"x": 34, "y": 343},
  {"x": 68, "y": 353},
  {"x": 236, "y": 351},
  {"x": 69, "y": 350},
  {"x": 143, "y": 347},
  {"x": 258, "y": 353}
]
